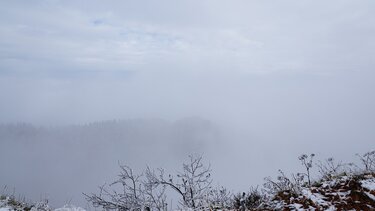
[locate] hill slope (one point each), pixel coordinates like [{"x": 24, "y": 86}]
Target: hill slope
[{"x": 355, "y": 192}]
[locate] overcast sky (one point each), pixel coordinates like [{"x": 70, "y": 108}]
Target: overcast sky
[
  {"x": 123, "y": 59},
  {"x": 295, "y": 76}
]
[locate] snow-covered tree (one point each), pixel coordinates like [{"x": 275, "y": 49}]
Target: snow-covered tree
[
  {"x": 147, "y": 191},
  {"x": 136, "y": 192},
  {"x": 192, "y": 184}
]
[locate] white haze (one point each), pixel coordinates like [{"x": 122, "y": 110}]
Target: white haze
[{"x": 275, "y": 79}]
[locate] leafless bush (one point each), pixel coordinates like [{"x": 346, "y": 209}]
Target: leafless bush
[
  {"x": 250, "y": 200},
  {"x": 219, "y": 198},
  {"x": 291, "y": 185},
  {"x": 136, "y": 192},
  {"x": 41, "y": 206},
  {"x": 368, "y": 161},
  {"x": 192, "y": 184},
  {"x": 19, "y": 203},
  {"x": 330, "y": 168},
  {"x": 147, "y": 191}
]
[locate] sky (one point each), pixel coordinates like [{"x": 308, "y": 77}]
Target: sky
[
  {"x": 169, "y": 59},
  {"x": 280, "y": 78}
]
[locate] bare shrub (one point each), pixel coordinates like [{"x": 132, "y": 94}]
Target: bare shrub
[
  {"x": 368, "y": 161},
  {"x": 136, "y": 192},
  {"x": 192, "y": 184},
  {"x": 250, "y": 200},
  {"x": 282, "y": 183},
  {"x": 147, "y": 191},
  {"x": 331, "y": 168},
  {"x": 219, "y": 198}
]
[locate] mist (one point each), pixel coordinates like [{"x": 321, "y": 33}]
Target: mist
[{"x": 250, "y": 85}]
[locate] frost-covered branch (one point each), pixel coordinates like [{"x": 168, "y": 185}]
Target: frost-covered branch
[
  {"x": 307, "y": 162},
  {"x": 368, "y": 161},
  {"x": 191, "y": 184},
  {"x": 136, "y": 192}
]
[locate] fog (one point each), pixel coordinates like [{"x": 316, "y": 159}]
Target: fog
[{"x": 250, "y": 84}]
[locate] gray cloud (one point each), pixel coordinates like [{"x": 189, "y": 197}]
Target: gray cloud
[{"x": 247, "y": 36}]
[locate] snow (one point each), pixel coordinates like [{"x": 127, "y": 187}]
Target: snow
[
  {"x": 296, "y": 206},
  {"x": 330, "y": 188},
  {"x": 331, "y": 208},
  {"x": 317, "y": 198},
  {"x": 5, "y": 207},
  {"x": 344, "y": 194},
  {"x": 70, "y": 208},
  {"x": 370, "y": 196},
  {"x": 65, "y": 208},
  {"x": 369, "y": 184}
]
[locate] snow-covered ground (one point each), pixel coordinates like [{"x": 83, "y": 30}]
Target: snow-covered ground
[
  {"x": 7, "y": 205},
  {"x": 70, "y": 208},
  {"x": 341, "y": 193}
]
